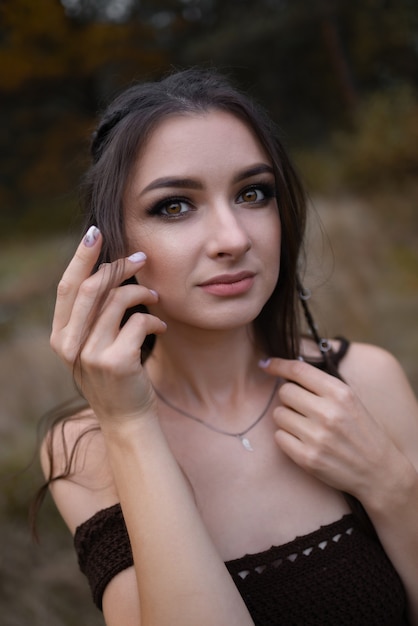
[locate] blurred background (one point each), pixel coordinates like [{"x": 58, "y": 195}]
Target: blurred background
[{"x": 341, "y": 79}]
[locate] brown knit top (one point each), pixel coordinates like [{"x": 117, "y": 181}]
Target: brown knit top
[
  {"x": 338, "y": 575},
  {"x": 334, "y": 576}
]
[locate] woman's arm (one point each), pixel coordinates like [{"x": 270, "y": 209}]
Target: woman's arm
[
  {"x": 361, "y": 438},
  {"x": 385, "y": 391},
  {"x": 178, "y": 574},
  {"x": 181, "y": 579}
]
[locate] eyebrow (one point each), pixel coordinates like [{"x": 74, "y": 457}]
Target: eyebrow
[
  {"x": 255, "y": 170},
  {"x": 191, "y": 183}
]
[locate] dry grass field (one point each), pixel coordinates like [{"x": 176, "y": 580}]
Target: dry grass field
[{"x": 366, "y": 288}]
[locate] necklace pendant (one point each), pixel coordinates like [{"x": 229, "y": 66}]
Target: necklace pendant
[{"x": 246, "y": 443}]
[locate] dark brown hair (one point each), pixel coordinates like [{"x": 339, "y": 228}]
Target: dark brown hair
[
  {"x": 117, "y": 143},
  {"x": 123, "y": 133}
]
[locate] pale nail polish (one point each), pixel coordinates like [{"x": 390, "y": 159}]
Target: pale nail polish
[
  {"x": 137, "y": 257},
  {"x": 91, "y": 236},
  {"x": 264, "y": 362}
]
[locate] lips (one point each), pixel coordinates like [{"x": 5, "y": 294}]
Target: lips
[
  {"x": 229, "y": 285},
  {"x": 227, "y": 279}
]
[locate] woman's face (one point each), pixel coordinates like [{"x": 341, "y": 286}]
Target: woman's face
[{"x": 201, "y": 204}]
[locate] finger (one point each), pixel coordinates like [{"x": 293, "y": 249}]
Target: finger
[
  {"x": 66, "y": 342},
  {"x": 78, "y": 285},
  {"x": 79, "y": 268},
  {"x": 122, "y": 356},
  {"x": 292, "y": 422},
  {"x": 299, "y": 399},
  {"x": 302, "y": 373},
  {"x": 107, "y": 325},
  {"x": 292, "y": 446},
  {"x": 99, "y": 333},
  {"x": 131, "y": 337}
]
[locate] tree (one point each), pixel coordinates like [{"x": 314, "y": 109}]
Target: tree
[
  {"x": 310, "y": 64},
  {"x": 55, "y": 73}
]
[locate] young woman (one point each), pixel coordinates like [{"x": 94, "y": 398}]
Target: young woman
[{"x": 226, "y": 471}]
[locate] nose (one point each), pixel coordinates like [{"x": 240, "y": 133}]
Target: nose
[{"x": 226, "y": 233}]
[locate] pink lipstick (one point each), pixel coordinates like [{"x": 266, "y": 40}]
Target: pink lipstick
[{"x": 229, "y": 284}]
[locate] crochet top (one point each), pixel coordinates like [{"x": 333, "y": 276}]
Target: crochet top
[
  {"x": 338, "y": 575},
  {"x": 334, "y": 576}
]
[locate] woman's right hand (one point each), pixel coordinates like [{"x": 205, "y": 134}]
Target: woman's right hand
[{"x": 86, "y": 332}]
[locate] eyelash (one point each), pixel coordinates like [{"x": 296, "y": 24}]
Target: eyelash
[
  {"x": 267, "y": 189},
  {"x": 157, "y": 208}
]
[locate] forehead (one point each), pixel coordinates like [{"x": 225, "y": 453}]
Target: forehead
[{"x": 214, "y": 139}]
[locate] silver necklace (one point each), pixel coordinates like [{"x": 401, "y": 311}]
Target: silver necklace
[{"x": 240, "y": 436}]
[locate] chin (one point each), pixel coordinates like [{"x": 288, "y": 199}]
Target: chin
[{"x": 234, "y": 320}]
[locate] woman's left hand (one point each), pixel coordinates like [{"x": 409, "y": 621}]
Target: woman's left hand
[
  {"x": 325, "y": 429},
  {"x": 366, "y": 448}
]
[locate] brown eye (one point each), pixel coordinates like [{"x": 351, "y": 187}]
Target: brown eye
[
  {"x": 174, "y": 208},
  {"x": 252, "y": 195},
  {"x": 171, "y": 208}
]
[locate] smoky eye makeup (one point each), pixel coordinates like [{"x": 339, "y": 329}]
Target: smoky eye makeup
[
  {"x": 257, "y": 193},
  {"x": 170, "y": 207},
  {"x": 176, "y": 206}
]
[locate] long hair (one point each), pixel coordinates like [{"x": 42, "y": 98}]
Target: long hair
[
  {"x": 122, "y": 135},
  {"x": 117, "y": 143}
]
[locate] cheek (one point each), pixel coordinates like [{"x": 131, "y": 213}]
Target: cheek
[
  {"x": 273, "y": 253},
  {"x": 166, "y": 267},
  {"x": 272, "y": 244}
]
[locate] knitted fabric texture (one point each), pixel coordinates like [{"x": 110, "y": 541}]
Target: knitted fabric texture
[
  {"x": 103, "y": 549},
  {"x": 334, "y": 576}
]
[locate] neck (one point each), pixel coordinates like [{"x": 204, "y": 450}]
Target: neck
[{"x": 205, "y": 368}]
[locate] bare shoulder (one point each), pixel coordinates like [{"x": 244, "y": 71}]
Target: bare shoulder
[
  {"x": 370, "y": 370},
  {"x": 379, "y": 380},
  {"x": 88, "y": 489},
  {"x": 374, "y": 368},
  {"x": 74, "y": 452}
]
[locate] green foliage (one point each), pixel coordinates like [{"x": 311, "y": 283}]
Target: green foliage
[
  {"x": 39, "y": 42},
  {"x": 310, "y": 68},
  {"x": 383, "y": 144},
  {"x": 55, "y": 74},
  {"x": 378, "y": 149}
]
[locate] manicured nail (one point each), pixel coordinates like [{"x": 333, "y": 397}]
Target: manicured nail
[
  {"x": 137, "y": 257},
  {"x": 264, "y": 362},
  {"x": 91, "y": 236},
  {"x": 154, "y": 292}
]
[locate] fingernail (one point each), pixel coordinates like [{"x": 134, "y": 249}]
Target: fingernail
[
  {"x": 154, "y": 292},
  {"x": 264, "y": 362},
  {"x": 137, "y": 257},
  {"x": 300, "y": 358},
  {"x": 91, "y": 236}
]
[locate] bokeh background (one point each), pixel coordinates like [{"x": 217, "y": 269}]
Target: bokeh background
[{"x": 341, "y": 79}]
